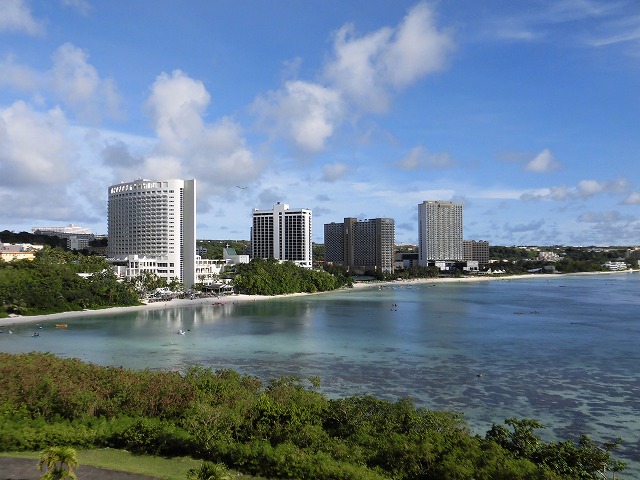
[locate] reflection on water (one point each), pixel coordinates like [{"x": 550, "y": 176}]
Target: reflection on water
[{"x": 562, "y": 350}]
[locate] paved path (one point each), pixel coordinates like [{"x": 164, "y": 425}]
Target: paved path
[{"x": 27, "y": 469}]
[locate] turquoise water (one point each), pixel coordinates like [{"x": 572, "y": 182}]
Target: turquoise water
[{"x": 563, "y": 350}]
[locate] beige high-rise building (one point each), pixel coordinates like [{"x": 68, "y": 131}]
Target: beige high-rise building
[{"x": 439, "y": 232}]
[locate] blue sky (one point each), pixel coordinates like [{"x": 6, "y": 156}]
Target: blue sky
[{"x": 527, "y": 113}]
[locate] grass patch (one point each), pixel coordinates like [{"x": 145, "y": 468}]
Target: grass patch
[{"x": 123, "y": 461}]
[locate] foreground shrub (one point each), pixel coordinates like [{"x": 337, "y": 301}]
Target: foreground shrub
[
  {"x": 209, "y": 471},
  {"x": 281, "y": 430}
]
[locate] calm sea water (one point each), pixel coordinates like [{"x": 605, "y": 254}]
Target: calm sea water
[{"x": 563, "y": 350}]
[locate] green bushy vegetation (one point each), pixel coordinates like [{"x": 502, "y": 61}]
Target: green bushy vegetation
[
  {"x": 282, "y": 429},
  {"x": 517, "y": 260},
  {"x": 50, "y": 283},
  {"x": 270, "y": 277}
]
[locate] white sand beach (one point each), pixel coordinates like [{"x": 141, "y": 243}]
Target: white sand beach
[{"x": 65, "y": 316}]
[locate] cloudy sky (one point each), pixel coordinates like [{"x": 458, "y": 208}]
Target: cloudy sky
[{"x": 527, "y": 113}]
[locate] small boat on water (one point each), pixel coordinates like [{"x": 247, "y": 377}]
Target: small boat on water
[
  {"x": 181, "y": 332},
  {"x": 61, "y": 325}
]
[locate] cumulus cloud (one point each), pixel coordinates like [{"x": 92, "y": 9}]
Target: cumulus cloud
[
  {"x": 78, "y": 84},
  {"x": 543, "y": 162},
  {"x": 15, "y": 16},
  {"x": 590, "y": 188},
  {"x": 116, "y": 154},
  {"x": 361, "y": 75},
  {"x": 585, "y": 189},
  {"x": 632, "y": 199},
  {"x": 304, "y": 113},
  {"x": 420, "y": 158},
  {"x": 221, "y": 157},
  {"x": 74, "y": 82},
  {"x": 187, "y": 145},
  {"x": 418, "y": 48},
  {"x": 367, "y": 68},
  {"x": 28, "y": 163},
  {"x": 177, "y": 103},
  {"x": 334, "y": 171},
  {"x": 14, "y": 75}
]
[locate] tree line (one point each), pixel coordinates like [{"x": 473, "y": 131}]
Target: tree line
[
  {"x": 517, "y": 260},
  {"x": 271, "y": 277},
  {"x": 50, "y": 283},
  {"x": 283, "y": 428}
]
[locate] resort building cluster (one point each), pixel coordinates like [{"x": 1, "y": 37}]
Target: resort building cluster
[{"x": 152, "y": 230}]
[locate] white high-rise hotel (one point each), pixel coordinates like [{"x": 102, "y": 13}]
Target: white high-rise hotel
[
  {"x": 152, "y": 227},
  {"x": 283, "y": 234},
  {"x": 439, "y": 233}
]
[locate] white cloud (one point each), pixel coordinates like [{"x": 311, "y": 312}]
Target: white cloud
[
  {"x": 419, "y": 48},
  {"x": 331, "y": 173},
  {"x": 420, "y": 158},
  {"x": 221, "y": 157},
  {"x": 78, "y": 84},
  {"x": 304, "y": 113},
  {"x": 177, "y": 103},
  {"x": 589, "y": 188},
  {"x": 632, "y": 199},
  {"x": 361, "y": 76},
  {"x": 14, "y": 75},
  {"x": 355, "y": 70},
  {"x": 215, "y": 153},
  {"x": 366, "y": 69},
  {"x": 585, "y": 189},
  {"x": 28, "y": 163},
  {"x": 15, "y": 16},
  {"x": 170, "y": 166},
  {"x": 544, "y": 162}
]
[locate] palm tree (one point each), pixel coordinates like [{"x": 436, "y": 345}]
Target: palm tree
[
  {"x": 209, "y": 471},
  {"x": 60, "y": 462}
]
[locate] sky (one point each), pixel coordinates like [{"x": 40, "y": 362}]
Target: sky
[{"x": 527, "y": 113}]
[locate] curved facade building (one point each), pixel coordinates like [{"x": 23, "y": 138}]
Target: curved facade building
[{"x": 152, "y": 227}]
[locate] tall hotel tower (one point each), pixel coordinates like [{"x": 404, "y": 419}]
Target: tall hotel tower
[
  {"x": 152, "y": 228},
  {"x": 439, "y": 232},
  {"x": 283, "y": 234}
]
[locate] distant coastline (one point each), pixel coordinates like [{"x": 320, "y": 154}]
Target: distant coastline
[{"x": 242, "y": 298}]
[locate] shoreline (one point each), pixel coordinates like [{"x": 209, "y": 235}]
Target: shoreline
[{"x": 243, "y": 298}]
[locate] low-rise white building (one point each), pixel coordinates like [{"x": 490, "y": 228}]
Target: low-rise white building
[
  {"x": 232, "y": 257},
  {"x": 615, "y": 266},
  {"x": 207, "y": 270}
]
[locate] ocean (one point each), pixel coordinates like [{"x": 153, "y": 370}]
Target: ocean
[{"x": 561, "y": 349}]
